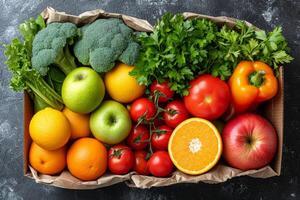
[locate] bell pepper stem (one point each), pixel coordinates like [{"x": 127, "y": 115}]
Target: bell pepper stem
[{"x": 257, "y": 78}]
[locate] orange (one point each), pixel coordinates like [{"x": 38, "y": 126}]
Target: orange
[
  {"x": 121, "y": 86},
  {"x": 45, "y": 161},
  {"x": 195, "y": 146},
  {"x": 50, "y": 129},
  {"x": 87, "y": 159},
  {"x": 80, "y": 126}
]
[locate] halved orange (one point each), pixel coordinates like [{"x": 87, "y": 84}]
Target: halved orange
[{"x": 195, "y": 146}]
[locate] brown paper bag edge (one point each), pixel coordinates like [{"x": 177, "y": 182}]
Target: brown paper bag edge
[{"x": 274, "y": 113}]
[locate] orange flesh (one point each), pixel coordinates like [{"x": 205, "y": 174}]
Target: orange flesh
[{"x": 206, "y": 151}]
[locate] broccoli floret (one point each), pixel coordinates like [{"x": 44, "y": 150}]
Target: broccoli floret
[
  {"x": 130, "y": 54},
  {"x": 105, "y": 41},
  {"x": 51, "y": 46},
  {"x": 103, "y": 57}
]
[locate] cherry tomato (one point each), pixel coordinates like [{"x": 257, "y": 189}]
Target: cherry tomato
[
  {"x": 164, "y": 89},
  {"x": 160, "y": 137},
  {"x": 208, "y": 97},
  {"x": 142, "y": 107},
  {"x": 138, "y": 137},
  {"x": 120, "y": 159},
  {"x": 160, "y": 164},
  {"x": 141, "y": 162},
  {"x": 175, "y": 113}
]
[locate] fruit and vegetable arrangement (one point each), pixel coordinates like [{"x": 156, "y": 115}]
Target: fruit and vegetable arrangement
[{"x": 108, "y": 99}]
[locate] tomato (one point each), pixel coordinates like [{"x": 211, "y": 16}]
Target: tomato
[
  {"x": 160, "y": 164},
  {"x": 175, "y": 113},
  {"x": 120, "y": 159},
  {"x": 208, "y": 97},
  {"x": 138, "y": 137},
  {"x": 141, "y": 162},
  {"x": 142, "y": 107},
  {"x": 160, "y": 137},
  {"x": 164, "y": 89}
]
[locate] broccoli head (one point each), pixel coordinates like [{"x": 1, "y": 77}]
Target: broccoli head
[
  {"x": 105, "y": 41},
  {"x": 51, "y": 46}
]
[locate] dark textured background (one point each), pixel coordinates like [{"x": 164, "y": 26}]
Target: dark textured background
[{"x": 265, "y": 14}]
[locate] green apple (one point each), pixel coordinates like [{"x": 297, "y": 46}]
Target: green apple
[
  {"x": 111, "y": 122},
  {"x": 83, "y": 90}
]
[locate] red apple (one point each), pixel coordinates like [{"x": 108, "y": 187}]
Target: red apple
[{"x": 249, "y": 142}]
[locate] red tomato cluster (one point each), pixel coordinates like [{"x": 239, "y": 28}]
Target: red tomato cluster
[{"x": 146, "y": 151}]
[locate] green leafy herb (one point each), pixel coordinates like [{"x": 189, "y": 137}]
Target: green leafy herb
[
  {"x": 179, "y": 50},
  {"x": 18, "y": 54},
  {"x": 246, "y": 43},
  {"x": 29, "y": 29}
]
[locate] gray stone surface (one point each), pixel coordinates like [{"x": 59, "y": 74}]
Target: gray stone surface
[{"x": 265, "y": 14}]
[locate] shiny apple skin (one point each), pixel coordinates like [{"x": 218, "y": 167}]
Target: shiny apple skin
[{"x": 245, "y": 154}]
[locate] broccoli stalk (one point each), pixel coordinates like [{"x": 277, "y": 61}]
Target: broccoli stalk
[
  {"x": 18, "y": 55},
  {"x": 65, "y": 61}
]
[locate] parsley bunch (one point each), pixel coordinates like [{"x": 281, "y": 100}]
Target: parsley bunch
[
  {"x": 179, "y": 50},
  {"x": 246, "y": 43}
]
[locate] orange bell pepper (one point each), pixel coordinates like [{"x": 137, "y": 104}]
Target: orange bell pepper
[{"x": 252, "y": 83}]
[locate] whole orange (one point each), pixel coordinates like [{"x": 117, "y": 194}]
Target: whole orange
[
  {"x": 45, "y": 161},
  {"x": 50, "y": 129},
  {"x": 80, "y": 126},
  {"x": 87, "y": 159},
  {"x": 121, "y": 86}
]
